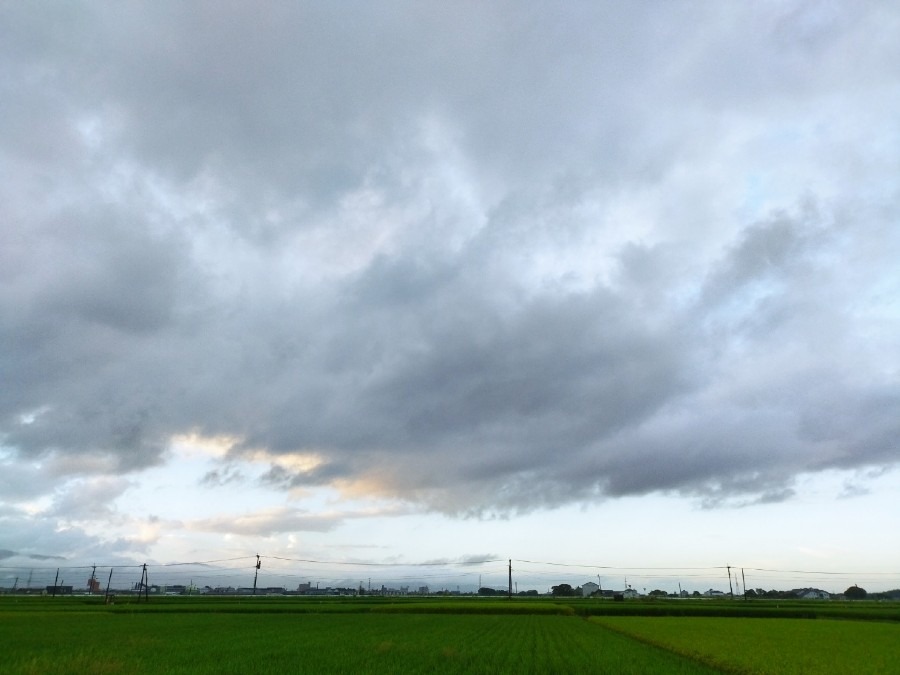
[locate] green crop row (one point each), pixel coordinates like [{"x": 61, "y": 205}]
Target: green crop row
[
  {"x": 878, "y": 611},
  {"x": 783, "y": 646},
  {"x": 867, "y": 611}
]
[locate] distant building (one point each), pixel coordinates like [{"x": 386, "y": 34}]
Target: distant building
[
  {"x": 811, "y": 594},
  {"x": 93, "y": 585},
  {"x": 611, "y": 593},
  {"x": 588, "y": 589},
  {"x": 59, "y": 590}
]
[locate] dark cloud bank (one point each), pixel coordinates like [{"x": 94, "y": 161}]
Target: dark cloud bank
[{"x": 501, "y": 258}]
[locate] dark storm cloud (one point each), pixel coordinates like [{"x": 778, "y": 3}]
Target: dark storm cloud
[{"x": 505, "y": 256}]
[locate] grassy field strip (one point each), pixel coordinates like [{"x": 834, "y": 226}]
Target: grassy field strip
[
  {"x": 325, "y": 643},
  {"x": 185, "y": 605},
  {"x": 777, "y": 646},
  {"x": 863, "y": 611}
]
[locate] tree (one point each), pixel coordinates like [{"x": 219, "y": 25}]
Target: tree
[
  {"x": 563, "y": 590},
  {"x": 656, "y": 592},
  {"x": 855, "y": 593}
]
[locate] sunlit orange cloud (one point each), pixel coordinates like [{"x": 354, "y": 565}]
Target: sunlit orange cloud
[
  {"x": 194, "y": 444},
  {"x": 222, "y": 447},
  {"x": 374, "y": 484},
  {"x": 298, "y": 462}
]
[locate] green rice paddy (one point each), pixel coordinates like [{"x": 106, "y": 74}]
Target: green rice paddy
[
  {"x": 297, "y": 635},
  {"x": 740, "y": 645}
]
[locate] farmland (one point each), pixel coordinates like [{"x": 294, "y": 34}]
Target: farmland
[
  {"x": 771, "y": 645},
  {"x": 229, "y": 635}
]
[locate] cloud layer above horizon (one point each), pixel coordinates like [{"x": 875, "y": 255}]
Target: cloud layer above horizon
[{"x": 479, "y": 257}]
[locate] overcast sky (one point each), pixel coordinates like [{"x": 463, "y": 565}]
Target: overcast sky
[{"x": 371, "y": 280}]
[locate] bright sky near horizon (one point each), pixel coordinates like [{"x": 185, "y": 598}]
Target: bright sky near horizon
[{"x": 585, "y": 283}]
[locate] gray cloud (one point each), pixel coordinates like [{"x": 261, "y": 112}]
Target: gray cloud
[
  {"x": 89, "y": 500},
  {"x": 493, "y": 259},
  {"x": 217, "y": 477},
  {"x": 28, "y": 538},
  {"x": 5, "y": 554}
]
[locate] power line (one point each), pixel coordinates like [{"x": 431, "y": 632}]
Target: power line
[
  {"x": 626, "y": 569},
  {"x": 384, "y": 564},
  {"x": 205, "y": 562},
  {"x": 233, "y": 571},
  {"x": 843, "y": 574}
]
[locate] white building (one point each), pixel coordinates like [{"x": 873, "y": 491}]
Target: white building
[
  {"x": 588, "y": 589},
  {"x": 812, "y": 594}
]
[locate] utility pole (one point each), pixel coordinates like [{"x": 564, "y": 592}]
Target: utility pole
[
  {"x": 509, "y": 592},
  {"x": 55, "y": 582},
  {"x": 256, "y": 574},
  {"x": 145, "y": 585},
  {"x": 107, "y": 585},
  {"x": 93, "y": 579},
  {"x": 730, "y": 588},
  {"x": 744, "y": 583}
]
